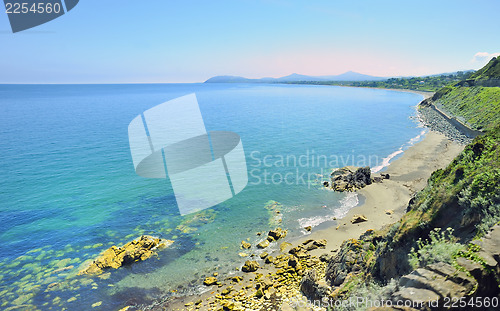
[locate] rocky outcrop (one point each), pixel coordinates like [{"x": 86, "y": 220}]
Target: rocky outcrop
[
  {"x": 313, "y": 287},
  {"x": 433, "y": 283},
  {"x": 350, "y": 179},
  {"x": 474, "y": 277},
  {"x": 136, "y": 250},
  {"x": 349, "y": 261}
]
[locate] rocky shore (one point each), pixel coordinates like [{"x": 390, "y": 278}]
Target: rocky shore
[
  {"x": 436, "y": 122},
  {"x": 264, "y": 282}
]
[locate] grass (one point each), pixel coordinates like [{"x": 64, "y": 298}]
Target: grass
[
  {"x": 469, "y": 185},
  {"x": 478, "y": 106},
  {"x": 490, "y": 71}
]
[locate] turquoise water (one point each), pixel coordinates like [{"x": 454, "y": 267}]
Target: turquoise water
[{"x": 69, "y": 189}]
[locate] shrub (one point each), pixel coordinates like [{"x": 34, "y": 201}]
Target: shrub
[{"x": 442, "y": 246}]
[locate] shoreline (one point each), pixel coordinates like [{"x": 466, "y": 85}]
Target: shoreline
[{"x": 386, "y": 202}]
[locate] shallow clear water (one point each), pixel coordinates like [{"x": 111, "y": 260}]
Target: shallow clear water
[{"x": 69, "y": 189}]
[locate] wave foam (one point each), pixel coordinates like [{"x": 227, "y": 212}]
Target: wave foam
[
  {"x": 386, "y": 161},
  {"x": 350, "y": 200}
]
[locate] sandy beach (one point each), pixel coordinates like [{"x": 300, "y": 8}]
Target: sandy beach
[{"x": 408, "y": 174}]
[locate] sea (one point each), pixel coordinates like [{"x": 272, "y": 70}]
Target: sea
[{"x": 69, "y": 189}]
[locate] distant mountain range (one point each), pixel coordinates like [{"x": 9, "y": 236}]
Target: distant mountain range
[{"x": 347, "y": 76}]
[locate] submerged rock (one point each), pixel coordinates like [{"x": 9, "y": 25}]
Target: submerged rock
[{"x": 136, "y": 250}]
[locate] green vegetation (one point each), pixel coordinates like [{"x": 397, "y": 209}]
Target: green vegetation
[
  {"x": 370, "y": 292},
  {"x": 469, "y": 185},
  {"x": 427, "y": 83},
  {"x": 490, "y": 71},
  {"x": 479, "y": 106},
  {"x": 441, "y": 246}
]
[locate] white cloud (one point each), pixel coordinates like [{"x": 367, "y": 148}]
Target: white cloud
[{"x": 482, "y": 57}]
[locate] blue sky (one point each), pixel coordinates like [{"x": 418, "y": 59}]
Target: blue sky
[{"x": 117, "y": 41}]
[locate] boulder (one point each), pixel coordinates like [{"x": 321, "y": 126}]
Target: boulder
[
  {"x": 341, "y": 186},
  {"x": 358, "y": 218},
  {"x": 299, "y": 251},
  {"x": 320, "y": 243},
  {"x": 136, "y": 250},
  {"x": 245, "y": 245},
  {"x": 425, "y": 279},
  {"x": 362, "y": 177},
  {"x": 263, "y": 244},
  {"x": 277, "y": 233},
  {"x": 325, "y": 257},
  {"x": 308, "y": 228},
  {"x": 293, "y": 261},
  {"x": 209, "y": 281},
  {"x": 250, "y": 266},
  {"x": 284, "y": 245},
  {"x": 385, "y": 176}
]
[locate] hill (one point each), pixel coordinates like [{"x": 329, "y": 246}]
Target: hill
[
  {"x": 476, "y": 100},
  {"x": 488, "y": 72},
  {"x": 295, "y": 77}
]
